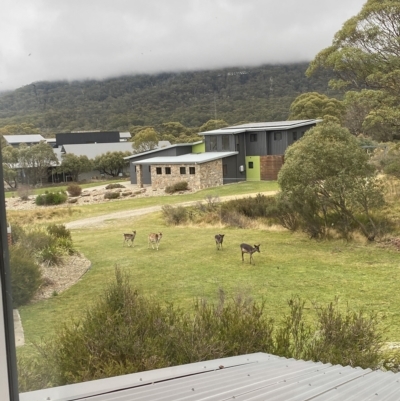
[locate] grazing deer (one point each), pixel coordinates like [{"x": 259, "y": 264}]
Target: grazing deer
[
  {"x": 129, "y": 238},
  {"x": 250, "y": 250},
  {"x": 219, "y": 239},
  {"x": 154, "y": 239}
]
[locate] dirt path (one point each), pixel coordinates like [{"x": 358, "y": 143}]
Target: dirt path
[{"x": 99, "y": 220}]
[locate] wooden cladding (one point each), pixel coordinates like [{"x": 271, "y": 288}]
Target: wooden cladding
[{"x": 270, "y": 166}]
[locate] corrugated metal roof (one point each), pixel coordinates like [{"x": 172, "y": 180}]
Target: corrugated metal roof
[
  {"x": 91, "y": 150},
  {"x": 264, "y": 126},
  {"x": 189, "y": 158},
  {"x": 160, "y": 148},
  {"x": 256, "y": 377},
  {"x": 14, "y": 139}
]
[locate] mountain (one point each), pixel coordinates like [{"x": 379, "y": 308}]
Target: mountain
[{"x": 192, "y": 98}]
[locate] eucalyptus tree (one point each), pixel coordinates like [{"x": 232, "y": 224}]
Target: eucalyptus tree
[{"x": 328, "y": 181}]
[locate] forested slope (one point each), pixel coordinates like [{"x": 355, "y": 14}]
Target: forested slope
[{"x": 192, "y": 98}]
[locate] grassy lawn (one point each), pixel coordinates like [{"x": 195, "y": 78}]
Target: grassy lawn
[
  {"x": 188, "y": 266},
  {"x": 70, "y": 213}
]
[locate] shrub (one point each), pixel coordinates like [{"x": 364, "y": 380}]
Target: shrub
[
  {"x": 26, "y": 277},
  {"x": 174, "y": 215},
  {"x": 125, "y": 332},
  {"x": 111, "y": 195},
  {"x": 178, "y": 186},
  {"x": 51, "y": 198},
  {"x": 114, "y": 186},
  {"x": 24, "y": 191},
  {"x": 74, "y": 189},
  {"x": 59, "y": 231}
]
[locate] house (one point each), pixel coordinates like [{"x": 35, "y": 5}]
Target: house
[
  {"x": 257, "y": 377},
  {"x": 161, "y": 151},
  {"x": 247, "y": 152}
]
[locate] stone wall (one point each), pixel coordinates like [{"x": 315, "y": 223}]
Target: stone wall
[
  {"x": 206, "y": 175},
  {"x": 270, "y": 166}
]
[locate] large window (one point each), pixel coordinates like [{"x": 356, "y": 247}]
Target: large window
[
  {"x": 225, "y": 142},
  {"x": 213, "y": 143}
]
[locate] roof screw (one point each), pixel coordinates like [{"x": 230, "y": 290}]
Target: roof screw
[{"x": 192, "y": 389}]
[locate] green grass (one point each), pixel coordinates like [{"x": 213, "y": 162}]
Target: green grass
[
  {"x": 188, "y": 266},
  {"x": 74, "y": 212}
]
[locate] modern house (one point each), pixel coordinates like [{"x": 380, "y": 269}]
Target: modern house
[{"x": 247, "y": 152}]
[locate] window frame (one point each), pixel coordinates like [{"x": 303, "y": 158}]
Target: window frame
[
  {"x": 182, "y": 170},
  {"x": 159, "y": 170},
  {"x": 253, "y": 137},
  {"x": 167, "y": 170},
  {"x": 192, "y": 170}
]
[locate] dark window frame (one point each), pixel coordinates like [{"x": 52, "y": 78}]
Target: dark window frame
[
  {"x": 167, "y": 170},
  {"x": 277, "y": 136},
  {"x": 224, "y": 170},
  {"x": 251, "y": 164},
  {"x": 253, "y": 137},
  {"x": 182, "y": 170},
  {"x": 192, "y": 170},
  {"x": 158, "y": 170}
]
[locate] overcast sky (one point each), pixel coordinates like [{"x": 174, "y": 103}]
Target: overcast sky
[{"x": 80, "y": 39}]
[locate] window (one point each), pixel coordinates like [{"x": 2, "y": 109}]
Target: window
[
  {"x": 167, "y": 170},
  {"x": 253, "y": 137},
  {"x": 277, "y": 136},
  {"x": 225, "y": 142},
  {"x": 158, "y": 170},
  {"x": 295, "y": 137},
  {"x": 182, "y": 170},
  {"x": 250, "y": 164},
  {"x": 192, "y": 170},
  {"x": 224, "y": 170},
  {"x": 213, "y": 143}
]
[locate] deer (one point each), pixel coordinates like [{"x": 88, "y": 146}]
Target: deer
[
  {"x": 219, "y": 239},
  {"x": 154, "y": 240},
  {"x": 129, "y": 238},
  {"x": 245, "y": 248}
]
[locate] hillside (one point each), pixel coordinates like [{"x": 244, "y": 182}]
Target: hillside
[{"x": 192, "y": 98}]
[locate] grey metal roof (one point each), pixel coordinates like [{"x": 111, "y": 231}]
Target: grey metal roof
[
  {"x": 256, "y": 377},
  {"x": 91, "y": 150},
  {"x": 160, "y": 148},
  {"x": 265, "y": 126},
  {"x": 125, "y": 135},
  {"x": 189, "y": 158},
  {"x": 14, "y": 139}
]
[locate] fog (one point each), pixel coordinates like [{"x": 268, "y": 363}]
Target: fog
[{"x": 85, "y": 39}]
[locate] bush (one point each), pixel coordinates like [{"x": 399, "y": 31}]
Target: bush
[
  {"x": 111, "y": 195},
  {"x": 114, "y": 186},
  {"x": 26, "y": 277},
  {"x": 59, "y": 231},
  {"x": 51, "y": 198},
  {"x": 174, "y": 215},
  {"x": 125, "y": 332},
  {"x": 179, "y": 186},
  {"x": 74, "y": 189}
]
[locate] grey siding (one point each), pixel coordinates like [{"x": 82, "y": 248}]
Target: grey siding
[
  {"x": 232, "y": 174},
  {"x": 277, "y": 141},
  {"x": 256, "y": 143}
]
